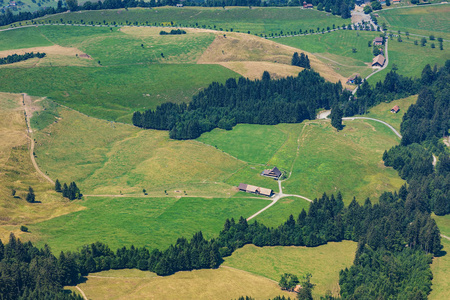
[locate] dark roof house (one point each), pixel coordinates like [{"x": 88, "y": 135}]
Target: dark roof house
[{"x": 273, "y": 173}]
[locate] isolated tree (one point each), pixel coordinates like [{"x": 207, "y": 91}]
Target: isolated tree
[
  {"x": 288, "y": 281},
  {"x": 423, "y": 41},
  {"x": 353, "y": 50},
  {"x": 13, "y": 192},
  {"x": 369, "y": 44},
  {"x": 58, "y": 186},
  {"x": 416, "y": 43},
  {"x": 336, "y": 118},
  {"x": 65, "y": 191},
  {"x": 31, "y": 198},
  {"x": 431, "y": 37},
  {"x": 432, "y": 45},
  {"x": 388, "y": 3}
]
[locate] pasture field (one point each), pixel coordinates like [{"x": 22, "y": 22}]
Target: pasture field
[
  {"x": 113, "y": 158},
  {"x": 222, "y": 284},
  {"x": 440, "y": 267},
  {"x": 257, "y": 20},
  {"x": 22, "y": 38},
  {"x": 323, "y": 262},
  {"x": 348, "y": 161},
  {"x": 255, "y": 150},
  {"x": 444, "y": 224},
  {"x": 145, "y": 221},
  {"x": 280, "y": 212},
  {"x": 383, "y": 111},
  {"x": 335, "y": 49},
  {"x": 17, "y": 172},
  {"x": 423, "y": 20},
  {"x": 410, "y": 59}
]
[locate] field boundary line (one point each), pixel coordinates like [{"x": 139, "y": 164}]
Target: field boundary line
[{"x": 233, "y": 268}]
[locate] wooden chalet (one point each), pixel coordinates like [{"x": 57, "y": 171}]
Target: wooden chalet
[
  {"x": 272, "y": 173},
  {"x": 248, "y": 188},
  {"x": 378, "y": 61},
  {"x": 395, "y": 109},
  {"x": 307, "y": 5},
  {"x": 378, "y": 41}
]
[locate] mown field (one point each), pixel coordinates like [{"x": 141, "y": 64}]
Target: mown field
[
  {"x": 323, "y": 262},
  {"x": 383, "y": 111},
  {"x": 222, "y": 284},
  {"x": 335, "y": 49},
  {"x": 151, "y": 222},
  {"x": 257, "y": 20},
  {"x": 410, "y": 59},
  {"x": 441, "y": 264},
  {"x": 423, "y": 20}
]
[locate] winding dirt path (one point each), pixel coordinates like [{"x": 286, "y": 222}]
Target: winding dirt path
[
  {"x": 82, "y": 293},
  {"x": 26, "y": 101}
]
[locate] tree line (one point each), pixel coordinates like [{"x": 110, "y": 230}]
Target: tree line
[
  {"x": 265, "y": 101},
  {"x": 336, "y": 7},
  {"x": 390, "y": 227},
  {"x": 423, "y": 125},
  {"x": 20, "y": 57},
  {"x": 173, "y": 31},
  {"x": 300, "y": 61}
]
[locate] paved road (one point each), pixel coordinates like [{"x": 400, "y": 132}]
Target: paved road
[
  {"x": 364, "y": 118},
  {"x": 28, "y": 114}
]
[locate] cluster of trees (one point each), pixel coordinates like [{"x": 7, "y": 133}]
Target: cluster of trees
[
  {"x": 383, "y": 228},
  {"x": 300, "y": 61},
  {"x": 173, "y": 31},
  {"x": 31, "y": 197},
  {"x": 20, "y": 57},
  {"x": 71, "y": 192},
  {"x": 265, "y": 101},
  {"x": 423, "y": 125}
]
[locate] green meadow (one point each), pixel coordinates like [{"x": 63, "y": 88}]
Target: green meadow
[
  {"x": 151, "y": 222},
  {"x": 323, "y": 262},
  {"x": 257, "y": 20},
  {"x": 410, "y": 59},
  {"x": 22, "y": 38},
  {"x": 423, "y": 20},
  {"x": 280, "y": 212},
  {"x": 335, "y": 49}
]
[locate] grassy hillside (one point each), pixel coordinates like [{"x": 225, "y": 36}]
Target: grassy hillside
[
  {"x": 441, "y": 264},
  {"x": 221, "y": 284},
  {"x": 257, "y": 20},
  {"x": 383, "y": 111},
  {"x": 280, "y": 212},
  {"x": 424, "y": 20},
  {"x": 22, "y": 38},
  {"x": 18, "y": 173},
  {"x": 335, "y": 49},
  {"x": 151, "y": 222},
  {"x": 323, "y": 262},
  {"x": 110, "y": 158}
]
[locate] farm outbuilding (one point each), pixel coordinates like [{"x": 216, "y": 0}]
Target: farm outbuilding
[
  {"x": 272, "y": 173},
  {"x": 378, "y": 61},
  {"x": 255, "y": 189},
  {"x": 395, "y": 109},
  {"x": 378, "y": 41}
]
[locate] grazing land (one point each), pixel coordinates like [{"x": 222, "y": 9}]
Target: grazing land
[
  {"x": 256, "y": 20},
  {"x": 18, "y": 173},
  {"x": 335, "y": 49},
  {"x": 144, "y": 221},
  {"x": 280, "y": 212},
  {"x": 323, "y": 262},
  {"x": 441, "y": 264},
  {"x": 410, "y": 59},
  {"x": 113, "y": 158},
  {"x": 222, "y": 284},
  {"x": 383, "y": 111},
  {"x": 423, "y": 20}
]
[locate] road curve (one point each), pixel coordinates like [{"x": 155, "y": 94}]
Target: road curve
[
  {"x": 82, "y": 293},
  {"x": 376, "y": 120},
  {"x": 28, "y": 114}
]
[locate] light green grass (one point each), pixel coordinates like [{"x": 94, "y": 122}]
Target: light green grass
[
  {"x": 383, "y": 111},
  {"x": 247, "y": 142},
  {"x": 150, "y": 222},
  {"x": 348, "y": 161},
  {"x": 22, "y": 38},
  {"x": 114, "y": 93},
  {"x": 335, "y": 49},
  {"x": 424, "y": 20},
  {"x": 323, "y": 262},
  {"x": 257, "y": 20},
  {"x": 221, "y": 284},
  {"x": 251, "y": 174},
  {"x": 110, "y": 158},
  {"x": 411, "y": 59},
  {"x": 280, "y": 212},
  {"x": 443, "y": 223},
  {"x": 440, "y": 268}
]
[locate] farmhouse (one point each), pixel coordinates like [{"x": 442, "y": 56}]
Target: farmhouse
[
  {"x": 395, "y": 109},
  {"x": 378, "y": 41},
  {"x": 255, "y": 189},
  {"x": 272, "y": 173},
  {"x": 378, "y": 61},
  {"x": 307, "y": 5},
  {"x": 179, "y": 5}
]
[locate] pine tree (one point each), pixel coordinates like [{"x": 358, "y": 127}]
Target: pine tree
[
  {"x": 336, "y": 118},
  {"x": 31, "y": 198},
  {"x": 65, "y": 191},
  {"x": 58, "y": 186}
]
